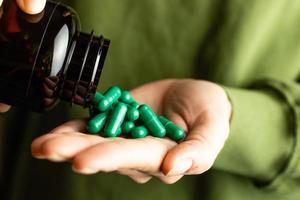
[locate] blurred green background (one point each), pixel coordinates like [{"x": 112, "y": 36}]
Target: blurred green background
[{"x": 233, "y": 42}]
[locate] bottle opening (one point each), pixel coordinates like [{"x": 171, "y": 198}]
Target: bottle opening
[{"x": 83, "y": 67}]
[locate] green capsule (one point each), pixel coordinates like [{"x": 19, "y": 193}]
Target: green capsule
[
  {"x": 174, "y": 132},
  {"x": 132, "y": 114},
  {"x": 127, "y": 127},
  {"x": 139, "y": 132},
  {"x": 115, "y": 120},
  {"x": 119, "y": 131},
  {"x": 98, "y": 96},
  {"x": 149, "y": 118},
  {"x": 126, "y": 97},
  {"x": 111, "y": 96},
  {"x": 135, "y": 104},
  {"x": 96, "y": 124}
]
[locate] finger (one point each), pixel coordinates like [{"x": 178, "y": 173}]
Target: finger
[
  {"x": 198, "y": 152},
  {"x": 65, "y": 146},
  {"x": 71, "y": 126},
  {"x": 37, "y": 143},
  {"x": 4, "y": 107},
  {"x": 170, "y": 179},
  {"x": 44, "y": 146},
  {"x": 144, "y": 155},
  {"x": 1, "y": 2},
  {"x": 165, "y": 179},
  {"x": 32, "y": 6},
  {"x": 135, "y": 175}
]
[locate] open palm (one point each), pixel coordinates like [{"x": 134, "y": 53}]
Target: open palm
[{"x": 199, "y": 107}]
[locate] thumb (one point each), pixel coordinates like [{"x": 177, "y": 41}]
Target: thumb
[
  {"x": 4, "y": 107},
  {"x": 198, "y": 152},
  {"x": 31, "y": 6}
]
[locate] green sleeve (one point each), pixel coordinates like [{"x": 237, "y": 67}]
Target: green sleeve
[{"x": 264, "y": 132}]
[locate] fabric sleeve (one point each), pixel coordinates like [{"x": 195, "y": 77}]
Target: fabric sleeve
[{"x": 264, "y": 133}]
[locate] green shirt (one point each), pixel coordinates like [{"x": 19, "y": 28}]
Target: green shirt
[{"x": 251, "y": 48}]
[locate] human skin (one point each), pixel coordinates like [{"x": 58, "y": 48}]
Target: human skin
[
  {"x": 30, "y": 7},
  {"x": 201, "y": 108}
]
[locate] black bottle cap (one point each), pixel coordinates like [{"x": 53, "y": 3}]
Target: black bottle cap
[{"x": 83, "y": 67}]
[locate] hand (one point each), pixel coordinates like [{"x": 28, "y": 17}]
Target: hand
[
  {"x": 200, "y": 107},
  {"x": 4, "y": 107},
  {"x": 30, "y": 6}
]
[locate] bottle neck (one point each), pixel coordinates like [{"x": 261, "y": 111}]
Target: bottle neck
[{"x": 82, "y": 68}]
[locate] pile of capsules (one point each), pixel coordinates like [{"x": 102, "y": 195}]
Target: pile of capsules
[{"x": 116, "y": 113}]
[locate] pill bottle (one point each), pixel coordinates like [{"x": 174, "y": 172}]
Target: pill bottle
[{"x": 45, "y": 58}]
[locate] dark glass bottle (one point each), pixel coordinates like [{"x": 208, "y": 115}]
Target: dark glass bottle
[{"x": 44, "y": 58}]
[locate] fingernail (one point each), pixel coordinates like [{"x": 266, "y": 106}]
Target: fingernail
[
  {"x": 180, "y": 168},
  {"x": 86, "y": 171},
  {"x": 56, "y": 158}
]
